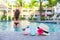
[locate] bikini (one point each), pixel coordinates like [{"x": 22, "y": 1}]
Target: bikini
[{"x": 16, "y": 23}]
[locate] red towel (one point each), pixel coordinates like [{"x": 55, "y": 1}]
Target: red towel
[{"x": 40, "y": 31}]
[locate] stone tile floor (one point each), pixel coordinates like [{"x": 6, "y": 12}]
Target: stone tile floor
[{"x": 19, "y": 36}]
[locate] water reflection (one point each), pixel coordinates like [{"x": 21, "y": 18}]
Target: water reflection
[
  {"x": 24, "y": 23},
  {"x": 16, "y": 28},
  {"x": 3, "y": 26}
]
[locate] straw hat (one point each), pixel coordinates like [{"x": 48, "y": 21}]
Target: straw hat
[{"x": 44, "y": 27}]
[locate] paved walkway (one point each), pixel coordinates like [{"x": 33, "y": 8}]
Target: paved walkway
[{"x": 19, "y": 36}]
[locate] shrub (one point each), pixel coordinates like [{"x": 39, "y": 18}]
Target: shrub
[
  {"x": 12, "y": 18},
  {"x": 3, "y": 18},
  {"x": 9, "y": 18},
  {"x": 22, "y": 18},
  {"x": 34, "y": 18},
  {"x": 30, "y": 18},
  {"x": 42, "y": 18}
]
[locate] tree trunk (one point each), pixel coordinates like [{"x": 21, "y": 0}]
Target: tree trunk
[{"x": 40, "y": 9}]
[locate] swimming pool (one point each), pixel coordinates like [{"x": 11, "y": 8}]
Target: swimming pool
[{"x": 8, "y": 26}]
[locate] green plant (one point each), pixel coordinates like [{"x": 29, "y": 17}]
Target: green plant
[
  {"x": 12, "y": 18},
  {"x": 3, "y": 18},
  {"x": 42, "y": 18},
  {"x": 9, "y": 18},
  {"x": 34, "y": 18},
  {"x": 30, "y": 18},
  {"x": 51, "y": 3},
  {"x": 22, "y": 18}
]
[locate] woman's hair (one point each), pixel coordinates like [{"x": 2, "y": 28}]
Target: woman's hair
[{"x": 17, "y": 12}]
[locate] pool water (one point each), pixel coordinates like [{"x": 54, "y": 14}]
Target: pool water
[{"x": 8, "y": 26}]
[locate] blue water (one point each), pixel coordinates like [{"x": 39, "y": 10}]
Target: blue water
[
  {"x": 4, "y": 26},
  {"x": 32, "y": 27}
]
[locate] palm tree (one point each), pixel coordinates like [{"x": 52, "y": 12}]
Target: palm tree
[
  {"x": 58, "y": 1},
  {"x": 40, "y": 9},
  {"x": 33, "y": 3},
  {"x": 25, "y": 5},
  {"x": 19, "y": 2},
  {"x": 51, "y": 3}
]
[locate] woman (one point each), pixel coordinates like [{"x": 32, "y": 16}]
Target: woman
[{"x": 16, "y": 17}]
